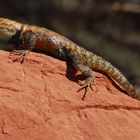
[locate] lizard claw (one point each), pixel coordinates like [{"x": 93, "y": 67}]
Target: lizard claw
[
  {"x": 84, "y": 87},
  {"x": 21, "y": 55},
  {"x": 85, "y": 84}
]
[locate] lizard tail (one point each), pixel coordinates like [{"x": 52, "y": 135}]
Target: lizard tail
[
  {"x": 116, "y": 75},
  {"x": 113, "y": 72}
]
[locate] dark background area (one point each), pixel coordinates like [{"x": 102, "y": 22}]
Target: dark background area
[{"x": 110, "y": 28}]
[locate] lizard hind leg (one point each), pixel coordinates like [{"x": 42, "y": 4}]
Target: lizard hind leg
[
  {"x": 86, "y": 71},
  {"x": 85, "y": 84}
]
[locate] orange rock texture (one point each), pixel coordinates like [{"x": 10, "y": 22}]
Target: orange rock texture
[{"x": 38, "y": 102}]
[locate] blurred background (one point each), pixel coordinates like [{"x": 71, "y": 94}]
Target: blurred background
[{"x": 110, "y": 28}]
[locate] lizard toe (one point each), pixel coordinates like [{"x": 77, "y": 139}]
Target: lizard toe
[
  {"x": 20, "y": 53},
  {"x": 85, "y": 84}
]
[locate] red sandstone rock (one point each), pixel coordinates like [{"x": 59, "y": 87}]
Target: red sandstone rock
[{"x": 38, "y": 102}]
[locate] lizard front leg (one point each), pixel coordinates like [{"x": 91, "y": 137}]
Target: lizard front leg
[
  {"x": 28, "y": 40},
  {"x": 86, "y": 71}
]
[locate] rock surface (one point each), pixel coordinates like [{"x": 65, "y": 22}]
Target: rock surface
[{"x": 38, "y": 102}]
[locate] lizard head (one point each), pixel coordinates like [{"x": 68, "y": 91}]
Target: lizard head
[{"x": 8, "y": 28}]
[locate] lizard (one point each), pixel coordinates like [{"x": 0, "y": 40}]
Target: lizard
[{"x": 28, "y": 37}]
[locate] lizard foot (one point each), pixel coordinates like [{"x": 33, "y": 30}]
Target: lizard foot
[
  {"x": 21, "y": 55},
  {"x": 85, "y": 84}
]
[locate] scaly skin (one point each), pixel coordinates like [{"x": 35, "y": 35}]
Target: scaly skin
[{"x": 28, "y": 37}]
